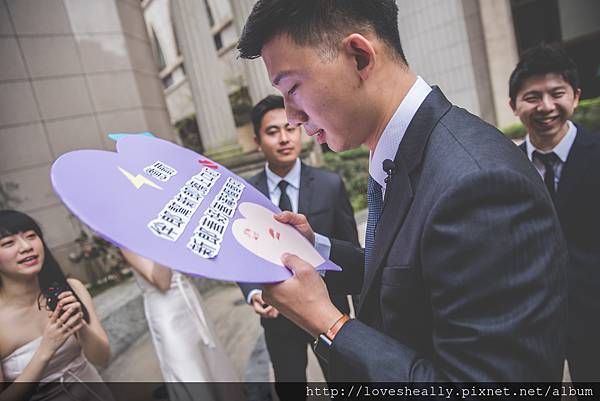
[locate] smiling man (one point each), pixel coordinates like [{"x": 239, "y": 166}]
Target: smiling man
[
  {"x": 544, "y": 93},
  {"x": 316, "y": 193},
  {"x": 464, "y": 259}
]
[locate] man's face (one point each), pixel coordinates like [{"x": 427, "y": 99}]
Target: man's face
[
  {"x": 544, "y": 104},
  {"x": 324, "y": 96},
  {"x": 279, "y": 141}
]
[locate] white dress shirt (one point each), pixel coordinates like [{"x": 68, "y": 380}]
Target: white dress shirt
[
  {"x": 392, "y": 135},
  {"x": 293, "y": 188},
  {"x": 561, "y": 150}
]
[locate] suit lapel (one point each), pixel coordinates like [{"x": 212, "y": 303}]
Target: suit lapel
[
  {"x": 306, "y": 190},
  {"x": 399, "y": 191},
  {"x": 259, "y": 182},
  {"x": 571, "y": 172},
  {"x": 398, "y": 198},
  {"x": 573, "y": 168},
  {"x": 306, "y": 187}
]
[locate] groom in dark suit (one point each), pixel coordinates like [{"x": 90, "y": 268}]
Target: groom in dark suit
[
  {"x": 544, "y": 93},
  {"x": 319, "y": 195},
  {"x": 464, "y": 277}
]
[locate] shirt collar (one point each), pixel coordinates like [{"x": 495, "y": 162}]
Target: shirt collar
[
  {"x": 293, "y": 177},
  {"x": 562, "y": 149},
  {"x": 392, "y": 135}
]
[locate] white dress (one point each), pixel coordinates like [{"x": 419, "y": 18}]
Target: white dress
[
  {"x": 185, "y": 343},
  {"x": 68, "y": 375}
]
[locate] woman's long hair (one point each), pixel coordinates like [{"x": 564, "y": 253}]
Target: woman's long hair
[{"x": 50, "y": 275}]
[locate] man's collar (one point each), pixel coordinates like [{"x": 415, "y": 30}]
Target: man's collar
[
  {"x": 562, "y": 149},
  {"x": 392, "y": 135},
  {"x": 293, "y": 177}
]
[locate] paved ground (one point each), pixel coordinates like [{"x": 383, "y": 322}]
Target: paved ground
[{"x": 239, "y": 330}]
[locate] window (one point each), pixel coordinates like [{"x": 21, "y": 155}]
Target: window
[
  {"x": 535, "y": 21},
  {"x": 167, "y": 81},
  {"x": 211, "y": 19},
  {"x": 220, "y": 18},
  {"x": 218, "y": 41},
  {"x": 159, "y": 57}
]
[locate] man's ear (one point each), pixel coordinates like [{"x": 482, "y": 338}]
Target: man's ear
[
  {"x": 362, "y": 51},
  {"x": 576, "y": 98},
  {"x": 257, "y": 142},
  {"x": 513, "y": 106}
]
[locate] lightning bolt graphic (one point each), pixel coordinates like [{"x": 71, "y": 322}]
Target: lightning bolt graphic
[{"x": 138, "y": 180}]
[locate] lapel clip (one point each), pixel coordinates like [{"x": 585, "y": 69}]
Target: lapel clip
[{"x": 390, "y": 168}]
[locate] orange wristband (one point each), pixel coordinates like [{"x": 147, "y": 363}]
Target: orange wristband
[{"x": 333, "y": 330}]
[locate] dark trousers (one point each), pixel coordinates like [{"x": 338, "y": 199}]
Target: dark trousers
[
  {"x": 584, "y": 361},
  {"x": 289, "y": 358}
]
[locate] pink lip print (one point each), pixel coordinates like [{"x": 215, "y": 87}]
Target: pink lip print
[
  {"x": 282, "y": 238},
  {"x": 274, "y": 234},
  {"x": 251, "y": 234}
]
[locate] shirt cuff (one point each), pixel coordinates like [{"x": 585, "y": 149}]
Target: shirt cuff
[
  {"x": 251, "y": 293},
  {"x": 322, "y": 245}
]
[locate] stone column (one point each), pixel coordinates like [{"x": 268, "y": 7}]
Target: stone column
[
  {"x": 502, "y": 54},
  {"x": 213, "y": 110},
  {"x": 255, "y": 72}
]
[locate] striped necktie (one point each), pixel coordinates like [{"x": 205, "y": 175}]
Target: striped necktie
[
  {"x": 375, "y": 204},
  {"x": 285, "y": 203},
  {"x": 549, "y": 160}
]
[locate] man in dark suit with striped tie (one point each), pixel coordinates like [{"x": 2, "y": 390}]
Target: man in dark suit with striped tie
[
  {"x": 544, "y": 92},
  {"x": 319, "y": 195},
  {"x": 466, "y": 265}
]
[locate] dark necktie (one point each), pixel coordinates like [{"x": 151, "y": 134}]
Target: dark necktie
[
  {"x": 284, "y": 200},
  {"x": 549, "y": 161},
  {"x": 375, "y": 204}
]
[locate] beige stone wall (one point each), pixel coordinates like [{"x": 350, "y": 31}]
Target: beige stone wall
[
  {"x": 502, "y": 54},
  {"x": 159, "y": 22},
  {"x": 442, "y": 40},
  {"x": 467, "y": 47},
  {"x": 71, "y": 71}
]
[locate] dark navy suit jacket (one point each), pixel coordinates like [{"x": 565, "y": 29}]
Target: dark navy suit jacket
[
  {"x": 578, "y": 206},
  {"x": 469, "y": 279}
]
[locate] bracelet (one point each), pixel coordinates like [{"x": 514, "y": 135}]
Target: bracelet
[{"x": 333, "y": 330}]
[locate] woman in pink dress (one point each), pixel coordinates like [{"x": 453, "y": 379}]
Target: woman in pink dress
[{"x": 50, "y": 331}]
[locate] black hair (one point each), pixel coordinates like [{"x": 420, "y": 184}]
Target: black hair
[
  {"x": 541, "y": 60},
  {"x": 320, "y": 23},
  {"x": 13, "y": 222},
  {"x": 261, "y": 108}
]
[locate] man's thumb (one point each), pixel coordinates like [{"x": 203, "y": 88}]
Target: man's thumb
[{"x": 293, "y": 262}]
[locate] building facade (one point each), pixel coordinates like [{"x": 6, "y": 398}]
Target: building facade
[
  {"x": 467, "y": 47},
  {"x": 72, "y": 71}
]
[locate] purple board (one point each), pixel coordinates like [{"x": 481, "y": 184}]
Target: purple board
[{"x": 180, "y": 209}]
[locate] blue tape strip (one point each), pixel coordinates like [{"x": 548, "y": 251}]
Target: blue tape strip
[{"x": 116, "y": 137}]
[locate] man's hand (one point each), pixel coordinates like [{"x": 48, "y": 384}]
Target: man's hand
[
  {"x": 303, "y": 298},
  {"x": 262, "y": 309},
  {"x": 299, "y": 222}
]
